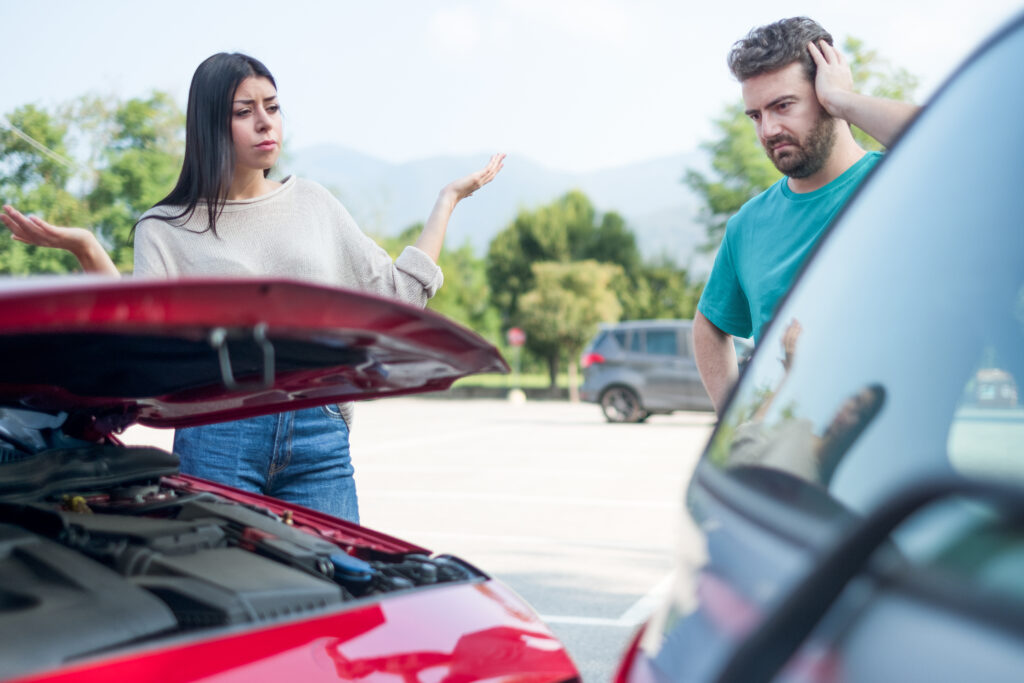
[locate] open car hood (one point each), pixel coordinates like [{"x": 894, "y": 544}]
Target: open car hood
[{"x": 189, "y": 352}]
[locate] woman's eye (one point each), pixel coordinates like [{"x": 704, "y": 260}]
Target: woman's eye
[
  {"x": 274, "y": 108},
  {"x": 241, "y": 112}
]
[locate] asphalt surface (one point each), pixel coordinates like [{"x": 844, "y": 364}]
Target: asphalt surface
[{"x": 578, "y": 516}]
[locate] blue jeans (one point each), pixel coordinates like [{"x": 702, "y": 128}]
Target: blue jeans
[{"x": 300, "y": 457}]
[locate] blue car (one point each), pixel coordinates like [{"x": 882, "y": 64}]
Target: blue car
[{"x": 859, "y": 515}]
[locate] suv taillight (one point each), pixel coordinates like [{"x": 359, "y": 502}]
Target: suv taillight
[{"x": 591, "y": 358}]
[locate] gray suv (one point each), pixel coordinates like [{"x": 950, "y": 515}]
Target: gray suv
[{"x": 641, "y": 367}]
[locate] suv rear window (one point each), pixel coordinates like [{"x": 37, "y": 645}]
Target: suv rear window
[{"x": 662, "y": 342}]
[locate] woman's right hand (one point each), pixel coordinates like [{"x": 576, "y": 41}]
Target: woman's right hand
[
  {"x": 79, "y": 241},
  {"x": 34, "y": 230},
  {"x": 465, "y": 187}
]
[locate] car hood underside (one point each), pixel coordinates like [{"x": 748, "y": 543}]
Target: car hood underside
[{"x": 179, "y": 353}]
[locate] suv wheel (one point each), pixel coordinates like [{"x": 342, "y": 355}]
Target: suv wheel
[{"x": 620, "y": 404}]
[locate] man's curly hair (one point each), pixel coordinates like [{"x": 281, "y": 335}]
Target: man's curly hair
[{"x": 775, "y": 46}]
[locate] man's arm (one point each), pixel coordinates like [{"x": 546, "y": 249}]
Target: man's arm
[
  {"x": 880, "y": 118},
  {"x": 715, "y": 354}
]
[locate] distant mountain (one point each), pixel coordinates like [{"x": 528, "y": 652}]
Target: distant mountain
[{"x": 386, "y": 198}]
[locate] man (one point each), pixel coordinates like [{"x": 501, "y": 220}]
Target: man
[{"x": 798, "y": 92}]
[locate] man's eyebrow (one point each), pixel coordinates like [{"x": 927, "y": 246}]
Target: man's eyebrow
[{"x": 771, "y": 104}]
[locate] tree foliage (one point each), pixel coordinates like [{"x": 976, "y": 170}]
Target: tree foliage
[
  {"x": 740, "y": 168},
  {"x": 568, "y": 229},
  {"x": 34, "y": 176},
  {"x": 138, "y": 167},
  {"x": 93, "y": 162},
  {"x": 660, "y": 289},
  {"x": 561, "y": 312}
]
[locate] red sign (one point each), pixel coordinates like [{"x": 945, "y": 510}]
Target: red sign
[{"x": 516, "y": 336}]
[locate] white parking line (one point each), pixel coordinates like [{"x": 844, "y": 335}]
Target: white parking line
[
  {"x": 585, "y": 621},
  {"x": 525, "y": 540},
  {"x": 642, "y": 608},
  {"x": 494, "y": 471},
  {"x": 417, "y": 442},
  {"x": 638, "y": 612},
  {"x": 513, "y": 498}
]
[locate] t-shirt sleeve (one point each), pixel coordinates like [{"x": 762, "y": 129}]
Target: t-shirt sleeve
[{"x": 723, "y": 301}]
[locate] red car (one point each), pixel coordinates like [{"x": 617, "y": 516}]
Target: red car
[{"x": 113, "y": 566}]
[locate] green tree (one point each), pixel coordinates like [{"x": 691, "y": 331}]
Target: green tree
[
  {"x": 94, "y": 162},
  {"x": 35, "y": 176},
  {"x": 561, "y": 312},
  {"x": 740, "y": 168},
  {"x": 659, "y": 289},
  {"x": 568, "y": 229},
  {"x": 137, "y": 167},
  {"x": 465, "y": 296}
]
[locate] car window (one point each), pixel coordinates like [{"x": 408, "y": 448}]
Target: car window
[
  {"x": 603, "y": 342},
  {"x": 637, "y": 342},
  {"x": 620, "y": 337},
  {"x": 662, "y": 342},
  {"x": 902, "y": 368},
  {"x": 686, "y": 343}
]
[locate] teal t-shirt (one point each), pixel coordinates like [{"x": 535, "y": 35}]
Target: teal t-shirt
[{"x": 764, "y": 246}]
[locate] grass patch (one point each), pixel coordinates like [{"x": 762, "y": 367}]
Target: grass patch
[{"x": 525, "y": 380}]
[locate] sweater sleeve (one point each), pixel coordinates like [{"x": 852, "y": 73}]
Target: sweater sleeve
[
  {"x": 149, "y": 257},
  {"x": 416, "y": 264},
  {"x": 412, "y": 278}
]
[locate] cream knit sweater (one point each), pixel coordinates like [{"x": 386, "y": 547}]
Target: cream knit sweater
[{"x": 298, "y": 231}]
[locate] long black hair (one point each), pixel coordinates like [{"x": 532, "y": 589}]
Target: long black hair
[{"x": 209, "y": 164}]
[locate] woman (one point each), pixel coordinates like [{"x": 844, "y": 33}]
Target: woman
[{"x": 226, "y": 217}]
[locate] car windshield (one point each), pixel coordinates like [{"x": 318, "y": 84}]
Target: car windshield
[{"x": 906, "y": 331}]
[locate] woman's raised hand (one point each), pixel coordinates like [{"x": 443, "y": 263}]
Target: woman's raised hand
[
  {"x": 464, "y": 187},
  {"x": 79, "y": 241},
  {"x": 432, "y": 237}
]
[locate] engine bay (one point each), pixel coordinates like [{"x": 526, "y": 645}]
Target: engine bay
[{"x": 101, "y": 547}]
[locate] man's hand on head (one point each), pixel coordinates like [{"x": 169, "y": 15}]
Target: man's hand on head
[{"x": 834, "y": 81}]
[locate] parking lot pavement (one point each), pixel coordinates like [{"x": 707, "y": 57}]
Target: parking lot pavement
[{"x": 577, "y": 516}]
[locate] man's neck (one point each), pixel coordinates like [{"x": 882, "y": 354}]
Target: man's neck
[{"x": 845, "y": 153}]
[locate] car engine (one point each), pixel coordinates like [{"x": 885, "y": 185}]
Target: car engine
[{"x": 101, "y": 546}]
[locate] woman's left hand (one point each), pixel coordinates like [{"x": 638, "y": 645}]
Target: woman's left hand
[{"x": 464, "y": 187}]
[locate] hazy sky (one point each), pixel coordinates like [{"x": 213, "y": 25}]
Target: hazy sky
[{"x": 574, "y": 84}]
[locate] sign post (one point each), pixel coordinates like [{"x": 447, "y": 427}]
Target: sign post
[{"x": 516, "y": 338}]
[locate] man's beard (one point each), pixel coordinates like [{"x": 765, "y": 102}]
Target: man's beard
[{"x": 807, "y": 158}]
